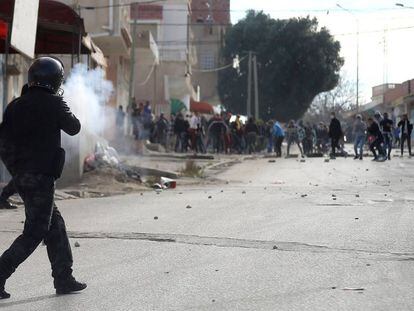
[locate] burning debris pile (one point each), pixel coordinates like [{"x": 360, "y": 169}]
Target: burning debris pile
[{"x": 105, "y": 159}]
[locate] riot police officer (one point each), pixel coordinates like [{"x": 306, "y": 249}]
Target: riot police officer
[{"x": 30, "y": 147}]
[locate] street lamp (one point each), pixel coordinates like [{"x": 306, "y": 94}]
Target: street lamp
[{"x": 357, "y": 69}]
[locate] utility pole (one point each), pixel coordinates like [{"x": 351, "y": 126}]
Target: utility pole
[
  {"x": 256, "y": 89},
  {"x": 357, "y": 66},
  {"x": 357, "y": 82},
  {"x": 132, "y": 69},
  {"x": 249, "y": 86}
]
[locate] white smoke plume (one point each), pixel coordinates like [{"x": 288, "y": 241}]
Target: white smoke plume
[{"x": 87, "y": 92}]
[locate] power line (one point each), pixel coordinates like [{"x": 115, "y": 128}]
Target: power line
[{"x": 207, "y": 10}]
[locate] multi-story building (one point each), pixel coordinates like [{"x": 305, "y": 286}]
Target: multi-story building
[
  {"x": 107, "y": 23},
  {"x": 209, "y": 21},
  {"x": 165, "y": 26}
]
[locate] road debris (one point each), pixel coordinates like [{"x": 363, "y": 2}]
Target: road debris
[
  {"x": 356, "y": 289},
  {"x": 77, "y": 244}
]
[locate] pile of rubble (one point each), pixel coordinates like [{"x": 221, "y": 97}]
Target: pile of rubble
[{"x": 106, "y": 158}]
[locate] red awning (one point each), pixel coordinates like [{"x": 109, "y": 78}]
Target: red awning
[
  {"x": 59, "y": 29},
  {"x": 201, "y": 107}
]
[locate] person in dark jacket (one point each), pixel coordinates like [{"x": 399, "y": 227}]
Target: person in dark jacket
[
  {"x": 251, "y": 131},
  {"x": 375, "y": 139},
  {"x": 10, "y": 190},
  {"x": 216, "y": 131},
  {"x": 180, "y": 130},
  {"x": 30, "y": 147},
  {"x": 335, "y": 133},
  {"x": 406, "y": 130},
  {"x": 387, "y": 126}
]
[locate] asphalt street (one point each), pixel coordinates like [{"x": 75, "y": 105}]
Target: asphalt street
[{"x": 288, "y": 235}]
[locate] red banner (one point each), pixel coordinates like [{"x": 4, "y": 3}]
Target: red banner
[{"x": 3, "y": 29}]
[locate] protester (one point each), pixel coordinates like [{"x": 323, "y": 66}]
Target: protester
[
  {"x": 375, "y": 139},
  {"x": 335, "y": 133},
  {"x": 279, "y": 137},
  {"x": 386, "y": 126},
  {"x": 161, "y": 130},
  {"x": 269, "y": 135},
  {"x": 181, "y": 133},
  {"x": 406, "y": 130},
  {"x": 120, "y": 120},
  {"x": 359, "y": 132},
  {"x": 292, "y": 136},
  {"x": 252, "y": 131},
  {"x": 322, "y": 138},
  {"x": 216, "y": 131}
]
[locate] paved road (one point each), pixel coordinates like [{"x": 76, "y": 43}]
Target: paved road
[{"x": 267, "y": 236}]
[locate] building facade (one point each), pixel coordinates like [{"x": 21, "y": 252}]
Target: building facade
[
  {"x": 167, "y": 77},
  {"x": 209, "y": 23}
]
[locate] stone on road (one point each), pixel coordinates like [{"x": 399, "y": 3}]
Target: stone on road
[{"x": 257, "y": 246}]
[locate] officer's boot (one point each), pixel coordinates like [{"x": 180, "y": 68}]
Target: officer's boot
[
  {"x": 3, "y": 293},
  {"x": 69, "y": 285},
  {"x": 4, "y": 204}
]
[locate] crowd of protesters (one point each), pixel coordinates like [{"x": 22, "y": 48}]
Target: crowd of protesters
[{"x": 224, "y": 133}]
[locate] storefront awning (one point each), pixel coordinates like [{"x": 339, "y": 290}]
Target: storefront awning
[
  {"x": 60, "y": 29},
  {"x": 201, "y": 107}
]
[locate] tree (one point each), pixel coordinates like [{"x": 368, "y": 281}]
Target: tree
[
  {"x": 339, "y": 100},
  {"x": 296, "y": 62}
]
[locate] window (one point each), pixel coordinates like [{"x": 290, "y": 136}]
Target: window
[{"x": 207, "y": 61}]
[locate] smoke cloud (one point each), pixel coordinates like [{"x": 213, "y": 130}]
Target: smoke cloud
[{"x": 87, "y": 92}]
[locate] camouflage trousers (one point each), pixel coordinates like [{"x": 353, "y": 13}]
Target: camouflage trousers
[{"x": 43, "y": 222}]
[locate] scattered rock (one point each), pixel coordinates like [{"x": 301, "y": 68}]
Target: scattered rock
[
  {"x": 334, "y": 199},
  {"x": 210, "y": 197},
  {"x": 222, "y": 191},
  {"x": 272, "y": 161},
  {"x": 356, "y": 218},
  {"x": 354, "y": 289},
  {"x": 244, "y": 192},
  {"x": 217, "y": 270},
  {"x": 275, "y": 247},
  {"x": 326, "y": 160},
  {"x": 141, "y": 193},
  {"x": 189, "y": 207},
  {"x": 357, "y": 195},
  {"x": 304, "y": 195},
  {"x": 167, "y": 272},
  {"x": 368, "y": 265},
  {"x": 77, "y": 244},
  {"x": 333, "y": 287},
  {"x": 334, "y": 195},
  {"x": 156, "y": 217},
  {"x": 213, "y": 300}
]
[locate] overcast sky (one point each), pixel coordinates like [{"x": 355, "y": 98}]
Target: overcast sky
[{"x": 378, "y": 20}]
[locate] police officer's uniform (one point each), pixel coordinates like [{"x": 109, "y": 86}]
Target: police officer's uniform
[{"x": 30, "y": 146}]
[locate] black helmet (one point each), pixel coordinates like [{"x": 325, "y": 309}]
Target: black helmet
[{"x": 46, "y": 72}]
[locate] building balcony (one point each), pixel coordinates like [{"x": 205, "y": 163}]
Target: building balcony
[
  {"x": 147, "y": 48},
  {"x": 114, "y": 43}
]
